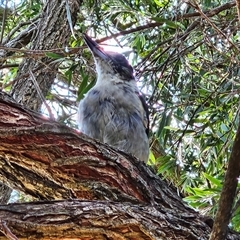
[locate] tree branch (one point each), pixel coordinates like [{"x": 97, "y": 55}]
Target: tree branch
[
  {"x": 228, "y": 194},
  {"x": 98, "y": 220},
  {"x": 64, "y": 159},
  {"x": 238, "y": 8},
  {"x": 51, "y": 161},
  {"x": 210, "y": 13}
]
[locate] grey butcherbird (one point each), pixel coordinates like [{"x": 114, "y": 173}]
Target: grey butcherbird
[{"x": 114, "y": 111}]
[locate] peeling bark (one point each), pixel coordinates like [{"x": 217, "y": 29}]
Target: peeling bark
[
  {"x": 45, "y": 159},
  {"x": 99, "y": 220},
  {"x": 51, "y": 161},
  {"x": 47, "y": 31}
]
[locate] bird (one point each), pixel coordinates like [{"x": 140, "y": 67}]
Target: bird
[{"x": 114, "y": 111}]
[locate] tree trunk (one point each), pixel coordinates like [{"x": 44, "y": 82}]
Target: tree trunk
[
  {"x": 53, "y": 32},
  {"x": 50, "y": 161}
]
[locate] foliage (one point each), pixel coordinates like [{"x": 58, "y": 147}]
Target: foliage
[{"x": 186, "y": 57}]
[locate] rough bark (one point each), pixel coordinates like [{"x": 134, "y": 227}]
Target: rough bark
[
  {"x": 21, "y": 40},
  {"x": 98, "y": 220},
  {"x": 50, "y": 161},
  {"x": 238, "y": 8},
  {"x": 53, "y": 32},
  {"x": 5, "y": 193},
  {"x": 64, "y": 159},
  {"x": 228, "y": 194}
]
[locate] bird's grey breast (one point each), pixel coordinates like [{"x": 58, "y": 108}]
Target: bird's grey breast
[{"x": 114, "y": 114}]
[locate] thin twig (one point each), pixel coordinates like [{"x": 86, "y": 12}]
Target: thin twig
[
  {"x": 21, "y": 24},
  {"x": 211, "y": 13},
  {"x": 236, "y": 206},
  {"x": 41, "y": 95},
  {"x": 9, "y": 65},
  {"x": 4, "y": 20},
  {"x": 125, "y": 32},
  {"x": 197, "y": 7},
  {"x": 42, "y": 53},
  {"x": 6, "y": 231}
]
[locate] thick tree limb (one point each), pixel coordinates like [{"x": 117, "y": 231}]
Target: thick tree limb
[
  {"x": 63, "y": 159},
  {"x": 50, "y": 161},
  {"x": 98, "y": 220},
  {"x": 45, "y": 32}
]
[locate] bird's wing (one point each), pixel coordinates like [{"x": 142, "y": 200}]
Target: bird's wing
[{"x": 146, "y": 115}]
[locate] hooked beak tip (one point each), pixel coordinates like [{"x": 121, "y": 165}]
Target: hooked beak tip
[{"x": 94, "y": 47}]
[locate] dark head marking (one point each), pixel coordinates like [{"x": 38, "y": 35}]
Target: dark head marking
[{"x": 115, "y": 60}]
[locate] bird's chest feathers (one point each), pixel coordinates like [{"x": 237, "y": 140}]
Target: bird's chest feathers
[{"x": 114, "y": 99}]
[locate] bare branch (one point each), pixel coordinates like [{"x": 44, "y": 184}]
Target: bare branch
[
  {"x": 210, "y": 13},
  {"x": 6, "y": 231},
  {"x": 41, "y": 95},
  {"x": 238, "y": 8}
]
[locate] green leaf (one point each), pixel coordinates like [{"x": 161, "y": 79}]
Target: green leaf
[
  {"x": 171, "y": 128},
  {"x": 168, "y": 23},
  {"x": 213, "y": 180},
  {"x": 53, "y": 55},
  {"x": 85, "y": 86}
]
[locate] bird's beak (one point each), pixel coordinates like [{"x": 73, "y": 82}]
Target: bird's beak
[{"x": 95, "y": 48}]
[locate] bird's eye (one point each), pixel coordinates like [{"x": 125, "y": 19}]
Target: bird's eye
[{"x": 128, "y": 71}]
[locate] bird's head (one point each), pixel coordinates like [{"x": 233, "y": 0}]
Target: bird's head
[{"x": 109, "y": 63}]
